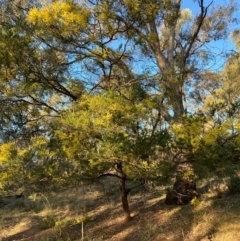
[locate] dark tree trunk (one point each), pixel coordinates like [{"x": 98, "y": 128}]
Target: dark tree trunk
[
  {"x": 124, "y": 191},
  {"x": 182, "y": 193},
  {"x": 177, "y": 103}
]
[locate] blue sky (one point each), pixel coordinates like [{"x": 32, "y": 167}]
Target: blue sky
[
  {"x": 226, "y": 45},
  {"x": 194, "y": 7}
]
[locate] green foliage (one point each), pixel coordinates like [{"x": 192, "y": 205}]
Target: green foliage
[
  {"x": 11, "y": 176},
  {"x": 85, "y": 219},
  {"x": 105, "y": 128},
  {"x": 47, "y": 222},
  {"x": 72, "y": 221},
  {"x": 38, "y": 202},
  {"x": 188, "y": 134},
  {"x": 209, "y": 146}
]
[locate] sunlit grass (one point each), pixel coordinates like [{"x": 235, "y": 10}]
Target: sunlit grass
[{"x": 97, "y": 211}]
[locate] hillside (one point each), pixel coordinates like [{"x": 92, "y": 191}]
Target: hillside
[{"x": 59, "y": 215}]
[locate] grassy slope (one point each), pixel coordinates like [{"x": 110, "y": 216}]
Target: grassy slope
[{"x": 58, "y": 216}]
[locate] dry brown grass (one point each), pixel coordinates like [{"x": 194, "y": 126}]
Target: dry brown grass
[{"x": 58, "y": 216}]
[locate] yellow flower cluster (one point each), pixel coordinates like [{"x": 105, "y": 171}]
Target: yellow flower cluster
[
  {"x": 64, "y": 15},
  {"x": 6, "y": 151}
]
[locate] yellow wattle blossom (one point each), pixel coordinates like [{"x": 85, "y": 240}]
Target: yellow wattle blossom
[
  {"x": 66, "y": 16},
  {"x": 108, "y": 116},
  {"x": 32, "y": 15},
  {"x": 6, "y": 151},
  {"x": 22, "y": 153}
]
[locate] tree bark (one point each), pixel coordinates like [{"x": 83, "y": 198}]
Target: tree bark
[
  {"x": 174, "y": 86},
  {"x": 124, "y": 191},
  {"x": 177, "y": 103},
  {"x": 165, "y": 57}
]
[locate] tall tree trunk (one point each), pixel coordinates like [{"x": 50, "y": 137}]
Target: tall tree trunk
[
  {"x": 172, "y": 83},
  {"x": 177, "y": 99},
  {"x": 124, "y": 192}
]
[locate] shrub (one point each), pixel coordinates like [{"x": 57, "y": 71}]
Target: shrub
[{"x": 47, "y": 222}]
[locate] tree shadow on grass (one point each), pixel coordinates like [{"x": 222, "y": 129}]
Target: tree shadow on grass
[
  {"x": 25, "y": 234},
  {"x": 155, "y": 221},
  {"x": 148, "y": 221},
  {"x": 152, "y": 220}
]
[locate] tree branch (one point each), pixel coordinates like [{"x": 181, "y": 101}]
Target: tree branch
[
  {"x": 200, "y": 20},
  {"x": 108, "y": 175}
]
